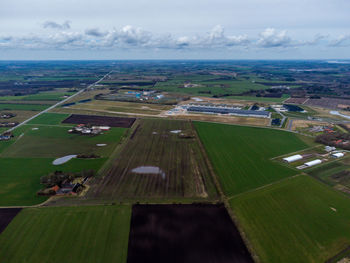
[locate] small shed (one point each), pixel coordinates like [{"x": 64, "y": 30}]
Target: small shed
[{"x": 337, "y": 155}]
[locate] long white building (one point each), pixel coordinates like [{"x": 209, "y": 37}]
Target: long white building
[{"x": 293, "y": 158}]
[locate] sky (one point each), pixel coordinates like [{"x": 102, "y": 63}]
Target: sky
[{"x": 180, "y": 29}]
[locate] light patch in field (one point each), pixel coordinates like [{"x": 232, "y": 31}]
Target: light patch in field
[
  {"x": 101, "y": 144},
  {"x": 175, "y": 131},
  {"x": 333, "y": 209},
  {"x": 148, "y": 170},
  {"x": 64, "y": 159}
]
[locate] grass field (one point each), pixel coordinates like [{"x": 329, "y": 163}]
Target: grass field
[
  {"x": 49, "y": 119},
  {"x": 240, "y": 155},
  {"x": 20, "y": 177},
  {"x": 55, "y": 141},
  {"x": 297, "y": 220},
  {"x": 259, "y": 99},
  {"x": 208, "y": 86},
  {"x": 183, "y": 170},
  {"x": 67, "y": 234},
  {"x": 26, "y": 107},
  {"x": 46, "y": 96}
]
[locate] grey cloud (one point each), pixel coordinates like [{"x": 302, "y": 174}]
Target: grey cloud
[
  {"x": 54, "y": 25},
  {"x": 95, "y": 32},
  {"x": 341, "y": 41}
]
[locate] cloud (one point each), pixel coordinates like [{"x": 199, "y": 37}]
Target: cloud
[
  {"x": 53, "y": 25},
  {"x": 341, "y": 41},
  {"x": 270, "y": 38},
  {"x": 95, "y": 32},
  {"x": 130, "y": 37}
]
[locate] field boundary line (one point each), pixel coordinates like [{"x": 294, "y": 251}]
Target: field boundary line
[{"x": 266, "y": 185}]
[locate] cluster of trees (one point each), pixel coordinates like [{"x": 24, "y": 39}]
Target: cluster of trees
[{"x": 332, "y": 138}]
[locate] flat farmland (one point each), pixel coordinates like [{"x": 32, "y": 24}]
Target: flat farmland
[
  {"x": 67, "y": 234},
  {"x": 241, "y": 155},
  {"x": 20, "y": 177},
  {"x": 49, "y": 119},
  {"x": 122, "y": 122},
  {"x": 161, "y": 159},
  {"x": 186, "y": 234},
  {"x": 21, "y": 106},
  {"x": 54, "y": 141},
  {"x": 297, "y": 220}
]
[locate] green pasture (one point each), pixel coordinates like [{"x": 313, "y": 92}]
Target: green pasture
[
  {"x": 297, "y": 220},
  {"x": 67, "y": 234},
  {"x": 49, "y": 119},
  {"x": 241, "y": 155},
  {"x": 55, "y": 141}
]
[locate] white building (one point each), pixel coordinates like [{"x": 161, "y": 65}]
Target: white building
[
  {"x": 313, "y": 163},
  {"x": 337, "y": 155},
  {"x": 293, "y": 158}
]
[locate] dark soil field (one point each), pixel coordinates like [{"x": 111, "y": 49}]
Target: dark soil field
[
  {"x": 6, "y": 216},
  {"x": 161, "y": 159},
  {"x": 100, "y": 120},
  {"x": 184, "y": 233}
]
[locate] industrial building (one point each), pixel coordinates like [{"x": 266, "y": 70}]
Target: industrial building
[
  {"x": 228, "y": 111},
  {"x": 293, "y": 158}
]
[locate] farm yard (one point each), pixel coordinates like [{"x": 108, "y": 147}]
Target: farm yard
[
  {"x": 97, "y": 234},
  {"x": 241, "y": 155},
  {"x": 20, "y": 181},
  {"x": 162, "y": 159},
  {"x": 297, "y": 220},
  {"x": 184, "y": 233}
]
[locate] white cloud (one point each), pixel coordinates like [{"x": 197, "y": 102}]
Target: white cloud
[
  {"x": 271, "y": 38},
  {"x": 129, "y": 37}
]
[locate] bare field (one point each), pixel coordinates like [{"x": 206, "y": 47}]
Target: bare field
[
  {"x": 305, "y": 123},
  {"x": 161, "y": 159},
  {"x": 224, "y": 119},
  {"x": 21, "y": 115}
]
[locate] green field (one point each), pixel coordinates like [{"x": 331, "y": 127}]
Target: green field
[
  {"x": 259, "y": 99},
  {"x": 49, "y": 119},
  {"x": 67, "y": 234},
  {"x": 208, "y": 85},
  {"x": 240, "y": 155},
  {"x": 46, "y": 96},
  {"x": 31, "y": 107},
  {"x": 297, "y": 220},
  {"x": 20, "y": 177},
  {"x": 55, "y": 141}
]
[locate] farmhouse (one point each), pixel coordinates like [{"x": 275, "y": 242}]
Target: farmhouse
[
  {"x": 293, "y": 158},
  {"x": 313, "y": 163}
]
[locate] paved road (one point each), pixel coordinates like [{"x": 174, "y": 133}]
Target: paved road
[{"x": 59, "y": 103}]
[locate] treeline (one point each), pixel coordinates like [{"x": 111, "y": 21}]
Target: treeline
[{"x": 337, "y": 139}]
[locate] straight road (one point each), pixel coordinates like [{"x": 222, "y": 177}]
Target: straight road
[{"x": 59, "y": 103}]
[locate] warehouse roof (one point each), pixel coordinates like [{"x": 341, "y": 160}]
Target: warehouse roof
[{"x": 228, "y": 111}]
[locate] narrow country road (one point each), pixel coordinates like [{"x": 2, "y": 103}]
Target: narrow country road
[{"x": 59, "y": 103}]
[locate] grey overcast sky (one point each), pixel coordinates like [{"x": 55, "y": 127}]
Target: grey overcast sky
[{"x": 181, "y": 29}]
